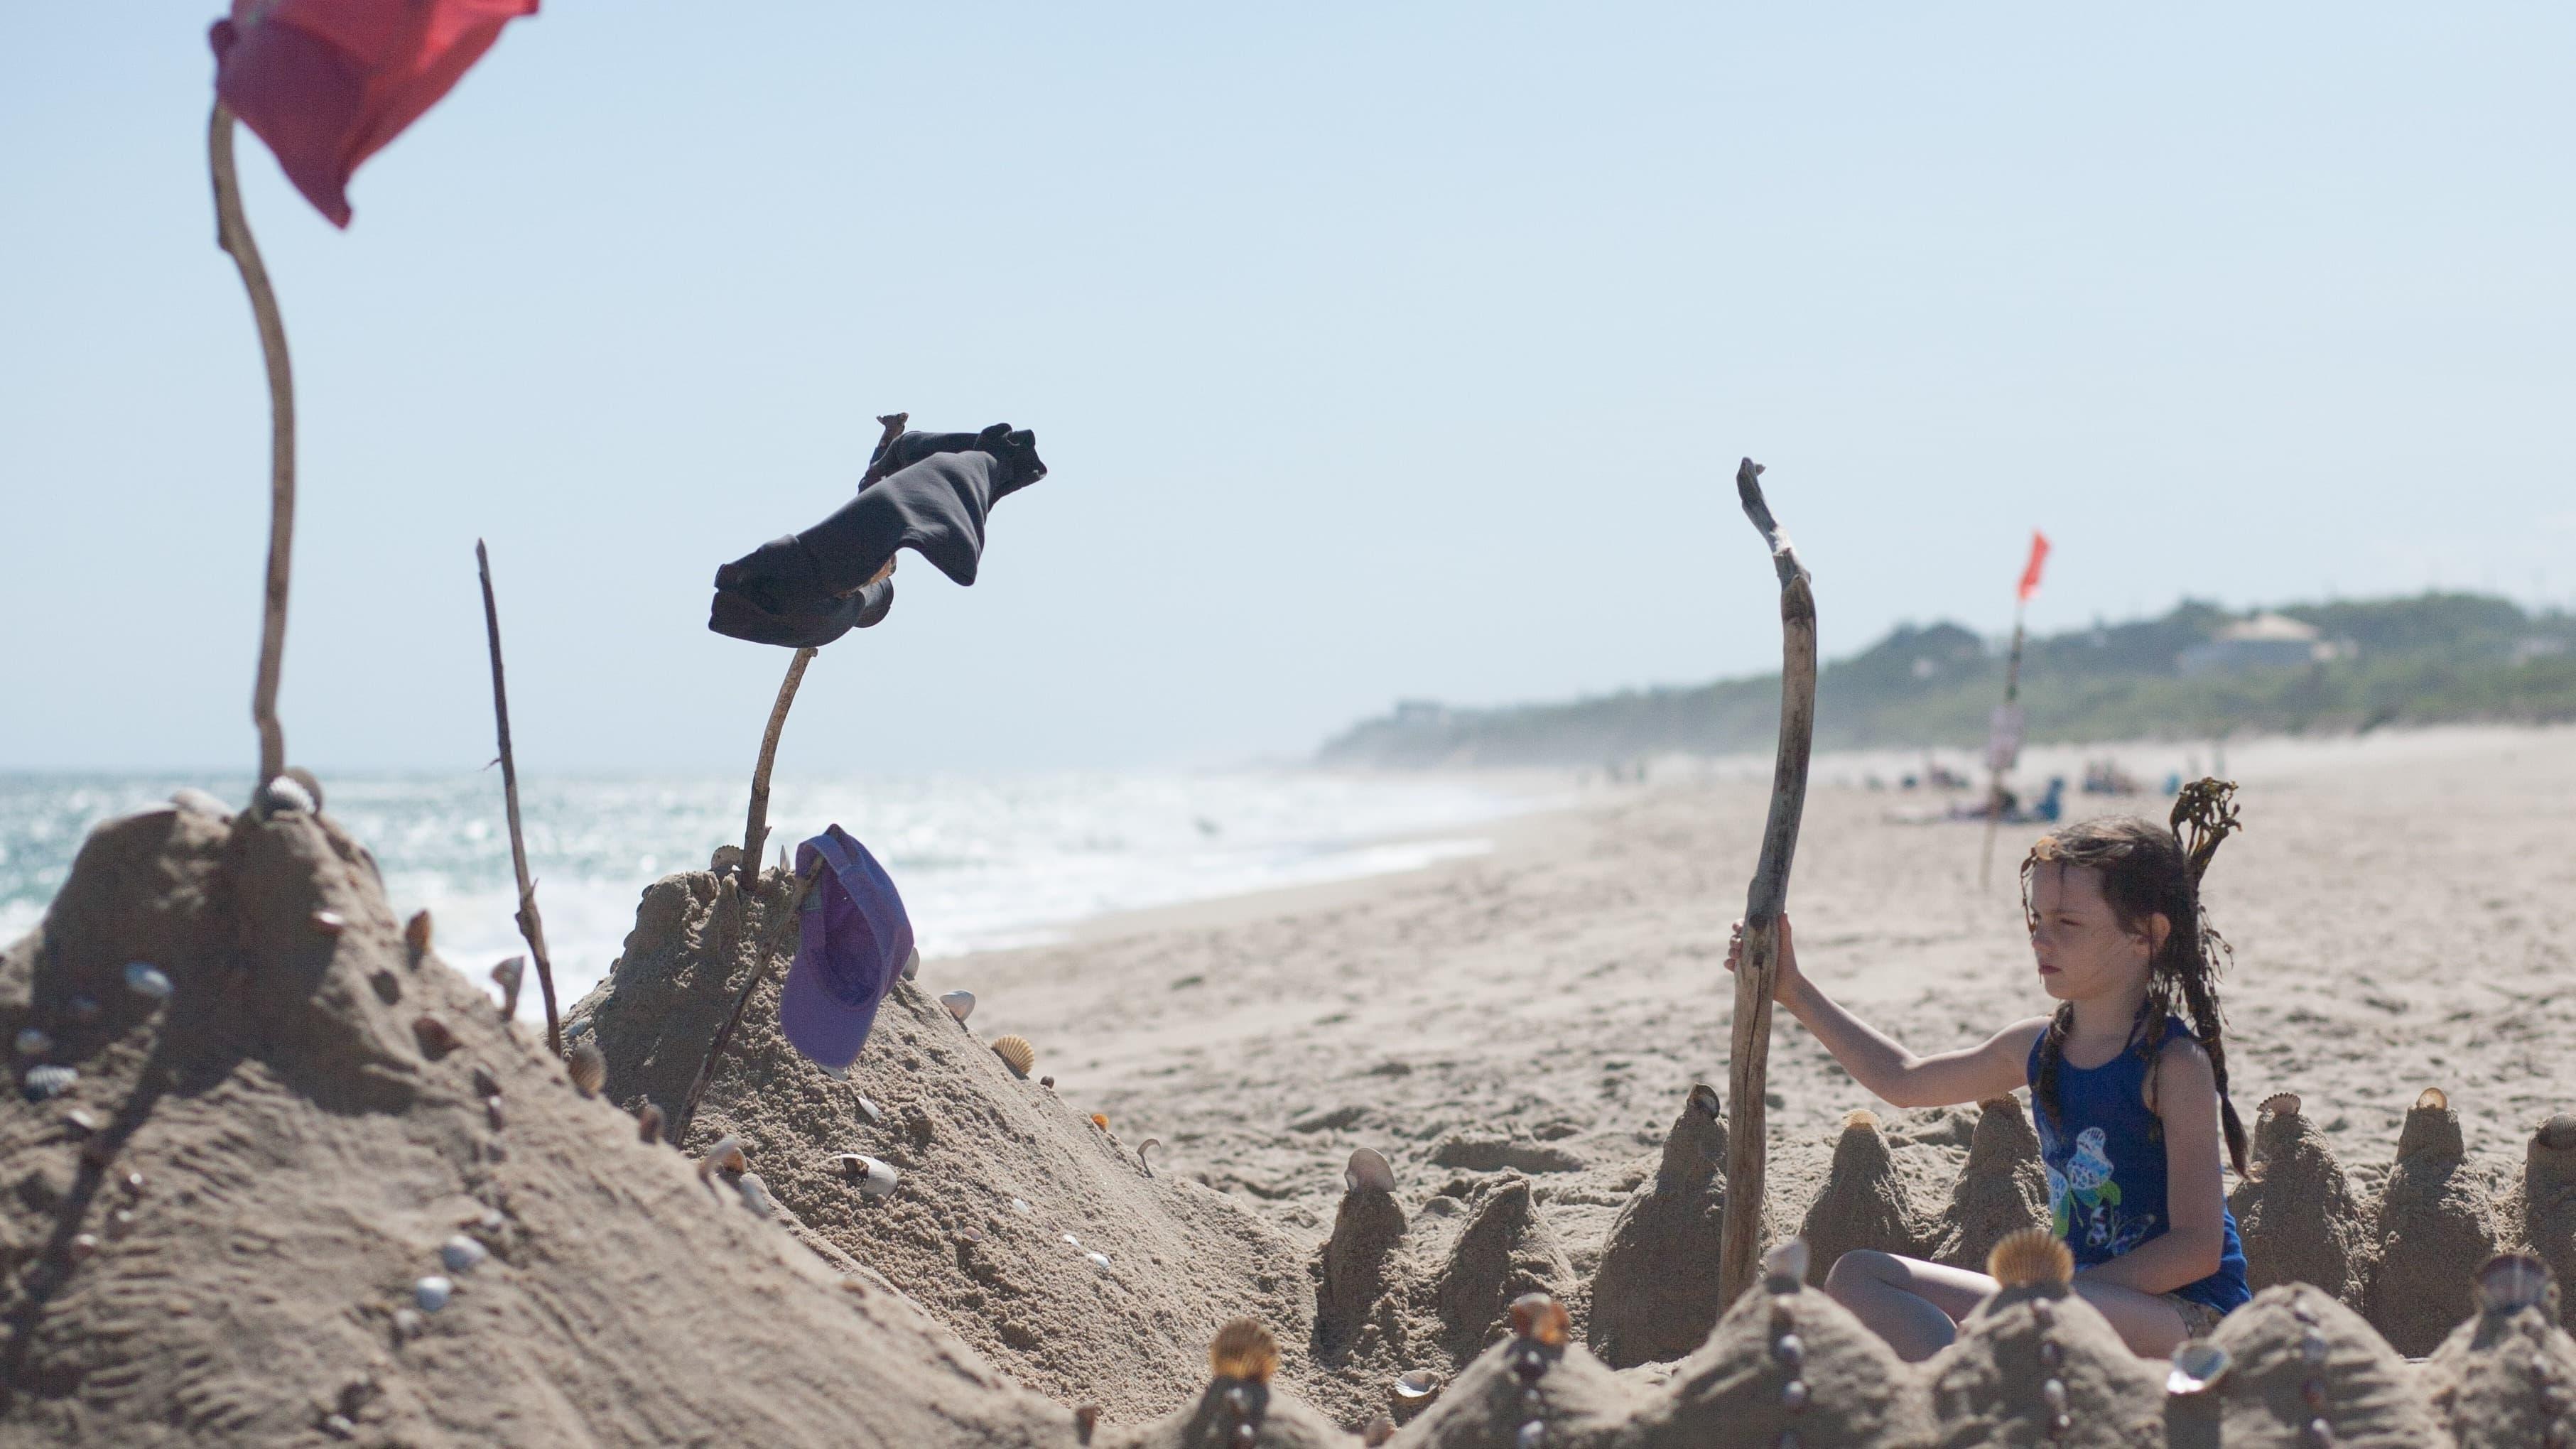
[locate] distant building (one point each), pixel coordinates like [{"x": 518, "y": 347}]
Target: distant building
[{"x": 2265, "y": 641}]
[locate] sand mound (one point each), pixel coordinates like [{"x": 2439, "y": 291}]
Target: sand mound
[
  {"x": 1853, "y": 1389},
  {"x": 2299, "y": 1358},
  {"x": 2297, "y": 1212},
  {"x": 2001, "y": 1189},
  {"x": 1037, "y": 1236},
  {"x": 1863, "y": 1204},
  {"x": 1992, "y": 1384},
  {"x": 2548, "y": 1214},
  {"x": 1503, "y": 1251},
  {"x": 1515, "y": 1383},
  {"x": 1655, "y": 1295},
  {"x": 2506, "y": 1377},
  {"x": 216, "y": 1232},
  {"x": 2436, "y": 1225}
]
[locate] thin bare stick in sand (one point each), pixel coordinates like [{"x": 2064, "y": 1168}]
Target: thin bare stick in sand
[
  {"x": 530, "y": 925},
  {"x": 755, "y": 825},
  {"x": 1740, "y": 1249},
  {"x": 232, "y": 233},
  {"x": 759, "y": 971}
]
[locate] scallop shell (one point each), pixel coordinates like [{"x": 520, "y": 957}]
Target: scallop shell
[
  {"x": 43, "y": 1082},
  {"x": 648, "y": 1123},
  {"x": 282, "y": 796},
  {"x": 1244, "y": 1351},
  {"x": 311, "y": 782},
  {"x": 2431, "y": 1097},
  {"x": 145, "y": 979},
  {"x": 2033, "y": 1255},
  {"x": 1016, "y": 1051},
  {"x": 876, "y": 1179},
  {"x": 1540, "y": 1319},
  {"x": 1416, "y": 1384},
  {"x": 432, "y": 1293},
  {"x": 1368, "y": 1171},
  {"x": 725, "y": 1156},
  {"x": 1784, "y": 1265},
  {"x": 960, "y": 1004},
  {"x": 2512, "y": 1280},
  {"x": 2279, "y": 1104},
  {"x": 436, "y": 1037},
  {"x": 2198, "y": 1364},
  {"x": 1859, "y": 1117},
  {"x": 416, "y": 933},
  {"x": 461, "y": 1254},
  {"x": 588, "y": 1068}
]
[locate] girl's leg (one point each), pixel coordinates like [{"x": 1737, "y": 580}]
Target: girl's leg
[
  {"x": 2150, "y": 1326},
  {"x": 1914, "y": 1305}
]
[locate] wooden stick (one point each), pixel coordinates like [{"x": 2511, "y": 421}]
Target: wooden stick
[
  {"x": 232, "y": 233},
  {"x": 1994, "y": 762},
  {"x": 530, "y": 925},
  {"x": 1739, "y": 1250},
  {"x": 759, "y": 971}
]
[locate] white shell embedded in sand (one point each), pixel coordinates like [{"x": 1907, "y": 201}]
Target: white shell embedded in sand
[
  {"x": 146, "y": 979},
  {"x": 2198, "y": 1364},
  {"x": 1368, "y": 1169},
  {"x": 912, "y": 964},
  {"x": 1786, "y": 1263},
  {"x": 283, "y": 796},
  {"x": 461, "y": 1254},
  {"x": 1098, "y": 1260},
  {"x": 2512, "y": 1280},
  {"x": 960, "y": 1004},
  {"x": 755, "y": 1195},
  {"x": 44, "y": 1082},
  {"x": 432, "y": 1293},
  {"x": 876, "y": 1179},
  {"x": 1416, "y": 1384},
  {"x": 2279, "y": 1104}
]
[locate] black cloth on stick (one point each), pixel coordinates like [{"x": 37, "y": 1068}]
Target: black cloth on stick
[{"x": 934, "y": 495}]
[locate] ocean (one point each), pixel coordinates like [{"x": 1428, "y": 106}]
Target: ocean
[{"x": 983, "y": 861}]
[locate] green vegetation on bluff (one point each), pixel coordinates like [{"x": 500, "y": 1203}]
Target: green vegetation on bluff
[{"x": 2430, "y": 659}]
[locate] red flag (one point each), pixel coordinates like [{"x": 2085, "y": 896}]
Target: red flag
[
  {"x": 327, "y": 83},
  {"x": 2030, "y": 571}
]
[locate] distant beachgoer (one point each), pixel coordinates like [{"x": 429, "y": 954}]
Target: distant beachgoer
[{"x": 2128, "y": 1081}]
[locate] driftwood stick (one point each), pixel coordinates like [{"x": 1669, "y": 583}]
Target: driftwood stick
[
  {"x": 1748, "y": 1071},
  {"x": 759, "y": 972},
  {"x": 531, "y": 925},
  {"x": 232, "y": 233}
]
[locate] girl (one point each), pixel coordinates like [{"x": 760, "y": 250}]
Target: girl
[{"x": 2129, "y": 1095}]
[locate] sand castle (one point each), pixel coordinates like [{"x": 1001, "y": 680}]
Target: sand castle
[{"x": 280, "y": 1175}]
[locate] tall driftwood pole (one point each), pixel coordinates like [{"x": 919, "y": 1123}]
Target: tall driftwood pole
[
  {"x": 1747, "y": 1145},
  {"x": 232, "y": 233},
  {"x": 530, "y": 925}
]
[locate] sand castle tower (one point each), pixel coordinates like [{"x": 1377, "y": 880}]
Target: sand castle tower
[
  {"x": 2038, "y": 1365},
  {"x": 2304, "y": 1372},
  {"x": 2435, "y": 1226},
  {"x": 2549, "y": 1195},
  {"x": 1863, "y": 1202},
  {"x": 1503, "y": 1251},
  {"x": 2297, "y": 1212},
  {"x": 2001, "y": 1189},
  {"x": 1655, "y": 1295},
  {"x": 2508, "y": 1375}
]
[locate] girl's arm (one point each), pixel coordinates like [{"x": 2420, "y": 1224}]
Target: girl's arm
[
  {"x": 1883, "y": 1065},
  {"x": 2186, "y": 1101}
]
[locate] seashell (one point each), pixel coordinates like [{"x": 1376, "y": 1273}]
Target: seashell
[
  {"x": 588, "y": 1068},
  {"x": 83, "y": 1120},
  {"x": 1100, "y": 1120},
  {"x": 2052, "y": 1392},
  {"x": 282, "y": 796},
  {"x": 2512, "y": 1280},
  {"x": 755, "y": 1195},
  {"x": 1531, "y": 1435},
  {"x": 1416, "y": 1384},
  {"x": 1098, "y": 1260},
  {"x": 1244, "y": 1351},
  {"x": 912, "y": 964},
  {"x": 1789, "y": 1349},
  {"x": 726, "y": 860},
  {"x": 1368, "y": 1171},
  {"x": 493, "y": 1114},
  {"x": 145, "y": 979},
  {"x": 507, "y": 975},
  {"x": 1540, "y": 1319},
  {"x": 868, "y": 1109},
  {"x": 311, "y": 782},
  {"x": 2559, "y": 1132},
  {"x": 1784, "y": 1266},
  {"x": 1379, "y": 1430},
  {"x": 2320, "y": 1434},
  {"x": 1793, "y": 1395},
  {"x": 580, "y": 1026},
  {"x": 1047, "y": 1082},
  {"x": 407, "y": 1324},
  {"x": 44, "y": 1082},
  {"x": 84, "y": 1008},
  {"x": 1703, "y": 1098},
  {"x": 133, "y": 1184},
  {"x": 31, "y": 1042},
  {"x": 432, "y": 1293},
  {"x": 1021, "y": 1205},
  {"x": 193, "y": 801},
  {"x": 328, "y": 923},
  {"x": 2279, "y": 1104},
  {"x": 876, "y": 1179},
  {"x": 1070, "y": 1238},
  {"x": 2031, "y": 1256},
  {"x": 1859, "y": 1117},
  {"x": 2433, "y": 1098},
  {"x": 960, "y": 1004},
  {"x": 1144, "y": 1150},
  {"x": 120, "y": 1224},
  {"x": 648, "y": 1124},
  {"x": 725, "y": 1156},
  {"x": 436, "y": 1038},
  {"x": 416, "y": 934},
  {"x": 84, "y": 1246},
  {"x": 1086, "y": 1419},
  {"x": 1016, "y": 1051},
  {"x": 461, "y": 1254}
]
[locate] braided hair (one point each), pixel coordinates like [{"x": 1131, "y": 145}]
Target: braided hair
[{"x": 2148, "y": 871}]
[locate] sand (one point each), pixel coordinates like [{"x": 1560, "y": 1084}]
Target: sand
[{"x": 1519, "y": 1033}]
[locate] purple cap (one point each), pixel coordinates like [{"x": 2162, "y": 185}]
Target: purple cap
[{"x": 855, "y": 941}]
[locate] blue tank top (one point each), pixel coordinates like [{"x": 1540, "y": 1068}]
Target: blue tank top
[{"x": 2106, "y": 1169}]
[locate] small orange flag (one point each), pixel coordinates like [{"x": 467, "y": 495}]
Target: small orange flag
[{"x": 2030, "y": 571}]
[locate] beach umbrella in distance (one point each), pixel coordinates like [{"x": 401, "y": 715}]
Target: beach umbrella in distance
[{"x": 326, "y": 83}]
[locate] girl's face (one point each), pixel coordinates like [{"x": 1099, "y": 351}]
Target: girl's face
[{"x": 2082, "y": 950}]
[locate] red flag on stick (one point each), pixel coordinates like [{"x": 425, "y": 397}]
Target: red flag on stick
[
  {"x": 328, "y": 83},
  {"x": 2030, "y": 571}
]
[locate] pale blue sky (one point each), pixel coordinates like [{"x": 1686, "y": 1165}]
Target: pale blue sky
[{"x": 1378, "y": 350}]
